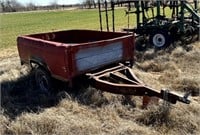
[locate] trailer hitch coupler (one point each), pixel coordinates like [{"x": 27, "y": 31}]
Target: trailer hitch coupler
[{"x": 173, "y": 97}]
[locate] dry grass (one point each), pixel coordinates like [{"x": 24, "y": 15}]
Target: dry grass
[
  {"x": 88, "y": 111},
  {"x": 8, "y": 52}
]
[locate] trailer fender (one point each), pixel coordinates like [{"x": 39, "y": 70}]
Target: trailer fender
[{"x": 36, "y": 62}]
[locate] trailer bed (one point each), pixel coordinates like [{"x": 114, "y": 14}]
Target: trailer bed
[{"x": 67, "y": 54}]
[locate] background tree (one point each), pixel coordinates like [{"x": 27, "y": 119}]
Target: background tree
[
  {"x": 10, "y": 5},
  {"x": 54, "y": 4},
  {"x": 31, "y": 6},
  {"x": 90, "y": 3}
]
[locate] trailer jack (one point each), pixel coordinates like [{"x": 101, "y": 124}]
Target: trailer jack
[{"x": 121, "y": 80}]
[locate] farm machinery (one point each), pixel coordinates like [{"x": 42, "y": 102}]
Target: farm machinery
[{"x": 158, "y": 22}]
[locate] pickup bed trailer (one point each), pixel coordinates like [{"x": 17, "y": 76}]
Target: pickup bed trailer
[{"x": 65, "y": 55}]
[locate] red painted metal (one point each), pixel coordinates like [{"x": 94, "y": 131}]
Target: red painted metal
[
  {"x": 121, "y": 80},
  {"x": 57, "y": 50}
]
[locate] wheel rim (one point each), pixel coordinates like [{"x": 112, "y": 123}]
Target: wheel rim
[{"x": 159, "y": 40}]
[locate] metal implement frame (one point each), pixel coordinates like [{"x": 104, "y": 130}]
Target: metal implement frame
[
  {"x": 121, "y": 80},
  {"x": 146, "y": 26}
]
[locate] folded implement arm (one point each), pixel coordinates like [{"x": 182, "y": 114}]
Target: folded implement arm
[{"x": 121, "y": 80}]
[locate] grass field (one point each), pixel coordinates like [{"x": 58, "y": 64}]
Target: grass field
[
  {"x": 24, "y": 110},
  {"x": 13, "y": 25}
]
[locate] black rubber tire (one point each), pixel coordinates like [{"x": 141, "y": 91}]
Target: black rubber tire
[
  {"x": 188, "y": 35},
  {"x": 43, "y": 80},
  {"x": 160, "y": 39},
  {"x": 174, "y": 32},
  {"x": 140, "y": 44}
]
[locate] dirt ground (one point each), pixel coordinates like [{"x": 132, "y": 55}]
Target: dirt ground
[{"x": 24, "y": 110}]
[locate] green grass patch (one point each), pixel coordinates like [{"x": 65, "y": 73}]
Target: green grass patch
[{"x": 15, "y": 24}]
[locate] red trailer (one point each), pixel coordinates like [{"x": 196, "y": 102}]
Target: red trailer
[{"x": 65, "y": 55}]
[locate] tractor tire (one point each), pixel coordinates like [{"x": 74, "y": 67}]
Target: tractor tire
[
  {"x": 188, "y": 35},
  {"x": 160, "y": 39},
  {"x": 140, "y": 44},
  {"x": 43, "y": 80}
]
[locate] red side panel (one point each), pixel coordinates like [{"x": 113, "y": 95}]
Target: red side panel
[{"x": 50, "y": 54}]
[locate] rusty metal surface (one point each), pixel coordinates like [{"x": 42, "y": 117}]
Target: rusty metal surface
[{"x": 121, "y": 80}]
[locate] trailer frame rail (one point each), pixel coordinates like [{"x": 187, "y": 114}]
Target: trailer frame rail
[{"x": 121, "y": 80}]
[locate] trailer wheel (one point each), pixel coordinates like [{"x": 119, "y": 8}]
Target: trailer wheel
[
  {"x": 43, "y": 80},
  {"x": 160, "y": 39}
]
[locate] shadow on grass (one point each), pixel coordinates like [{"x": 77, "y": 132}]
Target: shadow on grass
[{"x": 21, "y": 96}]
